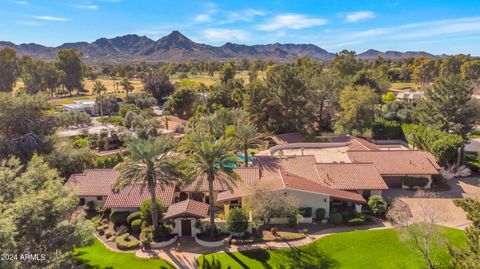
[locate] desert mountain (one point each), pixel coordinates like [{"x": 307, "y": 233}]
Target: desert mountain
[{"x": 177, "y": 47}]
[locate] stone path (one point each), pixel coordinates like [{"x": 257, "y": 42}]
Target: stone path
[{"x": 184, "y": 253}]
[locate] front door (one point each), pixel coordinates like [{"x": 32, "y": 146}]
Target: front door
[{"x": 186, "y": 227}]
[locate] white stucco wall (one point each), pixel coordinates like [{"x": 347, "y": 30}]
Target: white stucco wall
[
  {"x": 94, "y": 199},
  {"x": 313, "y": 200}
]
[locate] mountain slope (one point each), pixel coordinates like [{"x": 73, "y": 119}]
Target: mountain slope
[{"x": 177, "y": 47}]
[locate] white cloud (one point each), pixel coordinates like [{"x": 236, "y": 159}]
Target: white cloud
[
  {"x": 218, "y": 34},
  {"x": 202, "y": 18},
  {"x": 210, "y": 9},
  {"x": 359, "y": 16},
  {"x": 243, "y": 15},
  {"x": 86, "y": 6},
  {"x": 50, "y": 18},
  {"x": 291, "y": 21},
  {"x": 414, "y": 32}
]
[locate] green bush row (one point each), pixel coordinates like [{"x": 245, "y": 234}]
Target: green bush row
[{"x": 124, "y": 242}]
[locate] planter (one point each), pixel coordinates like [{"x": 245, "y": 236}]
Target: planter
[
  {"x": 164, "y": 243},
  {"x": 238, "y": 234},
  {"x": 213, "y": 244}
]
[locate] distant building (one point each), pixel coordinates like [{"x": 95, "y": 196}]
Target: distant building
[
  {"x": 410, "y": 97},
  {"x": 86, "y": 106}
]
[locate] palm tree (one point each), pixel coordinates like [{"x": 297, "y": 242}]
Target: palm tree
[
  {"x": 127, "y": 85},
  {"x": 98, "y": 89},
  {"x": 149, "y": 163},
  {"x": 246, "y": 135},
  {"x": 210, "y": 160}
]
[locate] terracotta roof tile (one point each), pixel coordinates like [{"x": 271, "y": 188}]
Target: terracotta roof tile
[
  {"x": 294, "y": 182},
  {"x": 400, "y": 162},
  {"x": 247, "y": 174},
  {"x": 357, "y": 143},
  {"x": 187, "y": 208},
  {"x": 93, "y": 182},
  {"x": 350, "y": 176},
  {"x": 133, "y": 196}
]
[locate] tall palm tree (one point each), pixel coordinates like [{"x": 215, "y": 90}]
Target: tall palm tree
[
  {"x": 149, "y": 163},
  {"x": 210, "y": 160},
  {"x": 126, "y": 85},
  {"x": 246, "y": 135},
  {"x": 99, "y": 89}
]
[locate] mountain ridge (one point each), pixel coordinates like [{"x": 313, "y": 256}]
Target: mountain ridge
[{"x": 177, "y": 47}]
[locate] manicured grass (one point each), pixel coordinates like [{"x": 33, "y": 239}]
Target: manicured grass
[
  {"x": 359, "y": 249},
  {"x": 97, "y": 256},
  {"x": 475, "y": 134}
]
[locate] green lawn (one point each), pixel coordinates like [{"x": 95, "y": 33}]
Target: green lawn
[
  {"x": 475, "y": 134},
  {"x": 360, "y": 249},
  {"x": 97, "y": 256}
]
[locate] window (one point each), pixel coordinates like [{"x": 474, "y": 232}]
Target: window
[
  {"x": 99, "y": 198},
  {"x": 82, "y": 201}
]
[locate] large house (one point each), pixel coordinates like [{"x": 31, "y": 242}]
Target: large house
[{"x": 311, "y": 180}]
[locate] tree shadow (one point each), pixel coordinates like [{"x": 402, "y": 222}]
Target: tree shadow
[
  {"x": 260, "y": 255},
  {"x": 311, "y": 258}
]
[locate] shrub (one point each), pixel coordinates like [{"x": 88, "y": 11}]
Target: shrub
[
  {"x": 101, "y": 229},
  {"x": 274, "y": 231},
  {"x": 387, "y": 130},
  {"x": 347, "y": 214},
  {"x": 146, "y": 236},
  {"x": 162, "y": 233},
  {"x": 125, "y": 242},
  {"x": 119, "y": 217},
  {"x": 412, "y": 182},
  {"x": 377, "y": 204},
  {"x": 320, "y": 213},
  {"x": 306, "y": 212},
  {"x": 134, "y": 216},
  {"x": 146, "y": 210},
  {"x": 356, "y": 221},
  {"x": 121, "y": 230},
  {"x": 97, "y": 220},
  {"x": 336, "y": 218},
  {"x": 108, "y": 234},
  {"x": 136, "y": 225},
  {"x": 90, "y": 205},
  {"x": 237, "y": 221}
]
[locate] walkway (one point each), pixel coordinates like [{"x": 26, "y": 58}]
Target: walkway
[{"x": 184, "y": 253}]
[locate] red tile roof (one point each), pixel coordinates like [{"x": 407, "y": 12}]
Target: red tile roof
[
  {"x": 249, "y": 175},
  {"x": 93, "y": 182},
  {"x": 187, "y": 208},
  {"x": 287, "y": 138},
  {"x": 294, "y": 182},
  {"x": 398, "y": 162},
  {"x": 350, "y": 176},
  {"x": 133, "y": 196},
  {"x": 201, "y": 184},
  {"x": 357, "y": 143}
]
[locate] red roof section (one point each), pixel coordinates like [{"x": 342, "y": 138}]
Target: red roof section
[
  {"x": 398, "y": 162},
  {"x": 133, "y": 196},
  {"x": 187, "y": 208},
  {"x": 93, "y": 182},
  {"x": 350, "y": 176},
  {"x": 294, "y": 182},
  {"x": 357, "y": 143}
]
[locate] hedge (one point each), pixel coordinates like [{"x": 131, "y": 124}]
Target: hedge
[
  {"x": 412, "y": 182},
  {"x": 119, "y": 217},
  {"x": 356, "y": 221},
  {"x": 134, "y": 216},
  {"x": 136, "y": 226},
  {"x": 336, "y": 218},
  {"x": 320, "y": 213},
  {"x": 306, "y": 212},
  {"x": 385, "y": 130},
  {"x": 101, "y": 229},
  {"x": 108, "y": 234},
  {"x": 124, "y": 242},
  {"x": 237, "y": 221},
  {"x": 444, "y": 146}
]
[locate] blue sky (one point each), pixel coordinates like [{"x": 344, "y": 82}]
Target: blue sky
[{"x": 434, "y": 26}]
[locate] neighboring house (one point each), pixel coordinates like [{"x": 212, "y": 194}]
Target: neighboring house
[
  {"x": 364, "y": 170},
  {"x": 86, "y": 106},
  {"x": 410, "y": 97}
]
